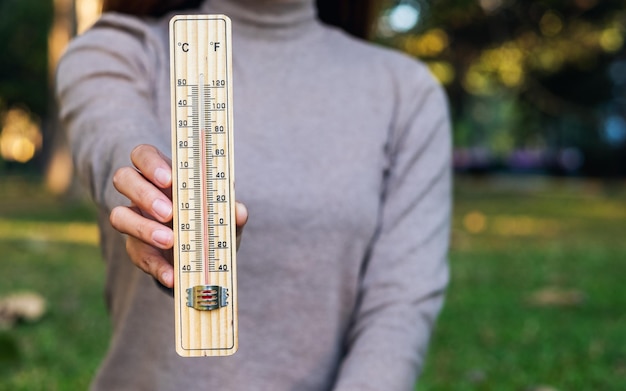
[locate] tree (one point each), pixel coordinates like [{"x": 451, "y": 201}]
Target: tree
[
  {"x": 543, "y": 74},
  {"x": 24, "y": 26}
]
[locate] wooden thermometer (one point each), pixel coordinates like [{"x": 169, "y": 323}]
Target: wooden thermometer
[{"x": 205, "y": 282}]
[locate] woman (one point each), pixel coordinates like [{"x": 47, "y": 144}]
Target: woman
[{"x": 342, "y": 158}]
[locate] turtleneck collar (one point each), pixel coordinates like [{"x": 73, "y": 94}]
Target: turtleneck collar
[{"x": 274, "y": 17}]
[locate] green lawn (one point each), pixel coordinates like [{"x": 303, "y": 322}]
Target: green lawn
[
  {"x": 537, "y": 297},
  {"x": 42, "y": 251},
  {"x": 536, "y": 300}
]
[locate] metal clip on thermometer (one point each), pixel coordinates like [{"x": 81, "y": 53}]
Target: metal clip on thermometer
[{"x": 205, "y": 282}]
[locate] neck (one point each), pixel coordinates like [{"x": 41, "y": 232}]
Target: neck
[{"x": 265, "y": 13}]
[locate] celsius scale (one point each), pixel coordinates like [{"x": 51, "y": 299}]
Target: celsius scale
[{"x": 205, "y": 273}]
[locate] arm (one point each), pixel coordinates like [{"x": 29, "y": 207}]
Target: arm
[
  {"x": 403, "y": 282},
  {"x": 105, "y": 91}
]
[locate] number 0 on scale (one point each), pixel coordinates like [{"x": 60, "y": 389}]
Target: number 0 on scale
[{"x": 205, "y": 282}]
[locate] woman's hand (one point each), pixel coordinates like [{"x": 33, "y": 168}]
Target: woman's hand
[{"x": 147, "y": 221}]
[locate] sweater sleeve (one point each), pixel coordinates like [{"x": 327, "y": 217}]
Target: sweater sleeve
[
  {"x": 404, "y": 279},
  {"x": 105, "y": 91}
]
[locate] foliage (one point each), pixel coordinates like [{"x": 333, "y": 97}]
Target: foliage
[
  {"x": 24, "y": 82},
  {"x": 534, "y": 74},
  {"x": 24, "y": 26}
]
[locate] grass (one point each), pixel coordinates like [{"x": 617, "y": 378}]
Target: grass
[
  {"x": 536, "y": 299},
  {"x": 51, "y": 250},
  {"x": 62, "y": 351}
]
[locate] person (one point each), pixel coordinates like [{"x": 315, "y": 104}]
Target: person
[{"x": 342, "y": 157}]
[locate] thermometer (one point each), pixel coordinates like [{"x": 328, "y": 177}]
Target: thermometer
[{"x": 205, "y": 274}]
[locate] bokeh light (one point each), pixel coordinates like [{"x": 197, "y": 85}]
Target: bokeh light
[
  {"x": 443, "y": 71},
  {"x": 475, "y": 222},
  {"x": 87, "y": 12},
  {"x": 432, "y": 43},
  {"x": 551, "y": 24},
  {"x": 404, "y": 16},
  {"x": 611, "y": 39},
  {"x": 21, "y": 136}
]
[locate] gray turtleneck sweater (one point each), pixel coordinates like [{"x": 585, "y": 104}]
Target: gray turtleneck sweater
[{"x": 342, "y": 158}]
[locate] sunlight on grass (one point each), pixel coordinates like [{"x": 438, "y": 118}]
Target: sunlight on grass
[
  {"x": 476, "y": 222},
  {"x": 75, "y": 232}
]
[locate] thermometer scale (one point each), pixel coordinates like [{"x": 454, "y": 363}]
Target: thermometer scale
[{"x": 205, "y": 282}]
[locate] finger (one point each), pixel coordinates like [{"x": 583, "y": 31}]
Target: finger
[
  {"x": 129, "y": 222},
  {"x": 241, "y": 218},
  {"x": 151, "y": 260},
  {"x": 155, "y": 166},
  {"x": 241, "y": 214},
  {"x": 142, "y": 193}
]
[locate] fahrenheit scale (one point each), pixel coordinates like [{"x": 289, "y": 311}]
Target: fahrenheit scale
[{"x": 205, "y": 282}]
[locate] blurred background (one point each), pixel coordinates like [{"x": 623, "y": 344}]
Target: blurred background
[{"x": 537, "y": 90}]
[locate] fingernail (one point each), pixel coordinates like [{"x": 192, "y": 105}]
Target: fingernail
[
  {"x": 162, "y": 208},
  {"x": 166, "y": 278},
  {"x": 164, "y": 177},
  {"x": 242, "y": 214},
  {"x": 164, "y": 238}
]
